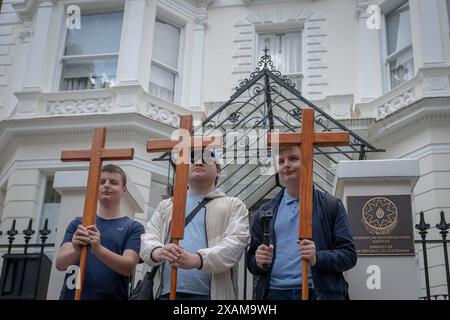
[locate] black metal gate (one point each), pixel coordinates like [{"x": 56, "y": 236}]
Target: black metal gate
[
  {"x": 423, "y": 228},
  {"x": 25, "y": 275}
]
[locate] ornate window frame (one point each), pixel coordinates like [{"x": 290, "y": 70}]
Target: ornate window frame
[{"x": 314, "y": 45}]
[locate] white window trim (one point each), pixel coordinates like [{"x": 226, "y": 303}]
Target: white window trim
[
  {"x": 446, "y": 14},
  {"x": 384, "y": 47},
  {"x": 179, "y": 71},
  {"x": 56, "y": 83},
  {"x": 2, "y": 201},
  {"x": 43, "y": 183},
  {"x": 257, "y": 54},
  {"x": 46, "y": 176}
]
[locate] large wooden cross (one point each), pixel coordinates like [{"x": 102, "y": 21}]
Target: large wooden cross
[
  {"x": 307, "y": 139},
  {"x": 182, "y": 145},
  {"x": 96, "y": 155}
]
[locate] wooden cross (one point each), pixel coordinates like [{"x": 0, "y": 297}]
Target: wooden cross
[
  {"x": 96, "y": 155},
  {"x": 182, "y": 146},
  {"x": 307, "y": 139}
]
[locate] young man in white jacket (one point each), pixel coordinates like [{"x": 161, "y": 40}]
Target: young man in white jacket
[{"x": 207, "y": 258}]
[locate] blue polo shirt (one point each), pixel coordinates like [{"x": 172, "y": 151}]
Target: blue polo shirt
[
  {"x": 191, "y": 281},
  {"x": 100, "y": 281},
  {"x": 287, "y": 267}
]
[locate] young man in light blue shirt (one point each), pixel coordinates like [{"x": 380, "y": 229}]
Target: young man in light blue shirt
[
  {"x": 330, "y": 252},
  {"x": 207, "y": 258}
]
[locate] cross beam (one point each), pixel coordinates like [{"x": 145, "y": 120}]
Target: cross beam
[
  {"x": 307, "y": 139},
  {"x": 182, "y": 146},
  {"x": 96, "y": 155}
]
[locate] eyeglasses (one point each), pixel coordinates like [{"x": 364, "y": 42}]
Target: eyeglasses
[{"x": 204, "y": 155}]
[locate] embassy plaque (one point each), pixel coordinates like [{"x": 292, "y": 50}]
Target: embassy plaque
[{"x": 381, "y": 225}]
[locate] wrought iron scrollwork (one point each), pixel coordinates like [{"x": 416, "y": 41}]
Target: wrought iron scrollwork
[{"x": 268, "y": 101}]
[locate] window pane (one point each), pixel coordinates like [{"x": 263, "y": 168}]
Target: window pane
[
  {"x": 162, "y": 83},
  {"x": 285, "y": 50},
  {"x": 401, "y": 69},
  {"x": 448, "y": 12},
  {"x": 166, "y": 44},
  {"x": 50, "y": 210},
  {"x": 398, "y": 29},
  {"x": 99, "y": 33},
  {"x": 88, "y": 74}
]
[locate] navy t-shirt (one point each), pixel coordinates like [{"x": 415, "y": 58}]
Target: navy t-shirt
[{"x": 100, "y": 281}]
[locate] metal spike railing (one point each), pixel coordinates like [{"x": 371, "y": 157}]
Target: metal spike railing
[{"x": 423, "y": 228}]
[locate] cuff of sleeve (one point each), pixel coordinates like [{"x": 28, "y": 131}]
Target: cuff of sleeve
[
  {"x": 151, "y": 254},
  {"x": 201, "y": 261},
  {"x": 319, "y": 261}
]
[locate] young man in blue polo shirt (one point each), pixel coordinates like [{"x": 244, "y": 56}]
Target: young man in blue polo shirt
[
  {"x": 330, "y": 252},
  {"x": 114, "y": 244}
]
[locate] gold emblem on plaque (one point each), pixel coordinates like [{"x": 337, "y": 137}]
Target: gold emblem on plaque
[{"x": 379, "y": 216}]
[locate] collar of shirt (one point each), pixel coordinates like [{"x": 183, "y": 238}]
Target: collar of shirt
[{"x": 288, "y": 199}]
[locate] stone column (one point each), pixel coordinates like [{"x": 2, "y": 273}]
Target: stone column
[
  {"x": 133, "y": 70},
  {"x": 36, "y": 62},
  {"x": 369, "y": 69},
  {"x": 22, "y": 200},
  {"x": 377, "y": 195},
  {"x": 195, "y": 101}
]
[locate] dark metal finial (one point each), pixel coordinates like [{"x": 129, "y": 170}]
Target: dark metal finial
[
  {"x": 265, "y": 64},
  {"x": 443, "y": 225},
  {"x": 45, "y": 231},
  {"x": 12, "y": 232},
  {"x": 422, "y": 226},
  {"x": 362, "y": 152},
  {"x": 12, "y": 235},
  {"x": 28, "y": 232}
]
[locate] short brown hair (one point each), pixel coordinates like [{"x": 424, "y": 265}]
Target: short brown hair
[
  {"x": 111, "y": 168},
  {"x": 284, "y": 148}
]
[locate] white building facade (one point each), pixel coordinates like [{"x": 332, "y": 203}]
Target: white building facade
[{"x": 381, "y": 67}]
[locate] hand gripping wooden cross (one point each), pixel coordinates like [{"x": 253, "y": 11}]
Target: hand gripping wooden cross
[
  {"x": 307, "y": 139},
  {"x": 96, "y": 155},
  {"x": 182, "y": 146}
]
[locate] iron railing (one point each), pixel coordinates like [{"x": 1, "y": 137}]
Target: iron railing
[
  {"x": 15, "y": 282},
  {"x": 423, "y": 228}
]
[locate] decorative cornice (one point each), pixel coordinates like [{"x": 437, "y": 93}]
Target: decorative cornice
[
  {"x": 422, "y": 152},
  {"x": 162, "y": 115},
  {"x": 155, "y": 167},
  {"x": 361, "y": 8},
  {"x": 201, "y": 3},
  {"x": 131, "y": 123},
  {"x": 27, "y": 32},
  {"x": 411, "y": 118},
  {"x": 278, "y": 16},
  {"x": 397, "y": 103},
  {"x": 25, "y": 8},
  {"x": 81, "y": 106}
]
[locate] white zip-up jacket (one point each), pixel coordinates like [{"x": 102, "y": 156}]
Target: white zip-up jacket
[{"x": 227, "y": 233}]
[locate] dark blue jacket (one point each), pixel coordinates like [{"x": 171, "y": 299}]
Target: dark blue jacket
[{"x": 335, "y": 249}]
